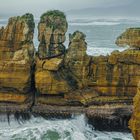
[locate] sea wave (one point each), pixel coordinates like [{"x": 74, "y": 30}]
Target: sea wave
[
  {"x": 39, "y": 128},
  {"x": 2, "y": 25},
  {"x": 93, "y": 23},
  {"x": 94, "y": 51}
]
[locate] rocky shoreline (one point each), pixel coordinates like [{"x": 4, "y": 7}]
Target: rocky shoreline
[{"x": 58, "y": 81}]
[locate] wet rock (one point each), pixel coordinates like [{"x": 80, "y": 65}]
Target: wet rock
[{"x": 110, "y": 117}]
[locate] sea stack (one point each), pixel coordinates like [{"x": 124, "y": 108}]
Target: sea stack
[
  {"x": 49, "y": 75},
  {"x": 77, "y": 61},
  {"x": 52, "y": 28},
  {"x": 16, "y": 59}
]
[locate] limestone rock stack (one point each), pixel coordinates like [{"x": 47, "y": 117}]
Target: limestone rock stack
[
  {"x": 52, "y": 28},
  {"x": 77, "y": 61},
  {"x": 49, "y": 76},
  {"x": 16, "y": 58}
]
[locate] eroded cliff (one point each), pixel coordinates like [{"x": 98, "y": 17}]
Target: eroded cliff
[
  {"x": 16, "y": 59},
  {"x": 67, "y": 81}
]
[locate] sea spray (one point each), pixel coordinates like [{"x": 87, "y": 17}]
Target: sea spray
[{"x": 39, "y": 128}]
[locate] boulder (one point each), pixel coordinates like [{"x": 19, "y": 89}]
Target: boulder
[
  {"x": 53, "y": 64},
  {"x": 48, "y": 82}
]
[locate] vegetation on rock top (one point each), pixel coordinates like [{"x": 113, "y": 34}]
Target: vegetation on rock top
[
  {"x": 54, "y": 19},
  {"x": 29, "y": 19},
  {"x": 53, "y": 13},
  {"x": 77, "y": 35}
]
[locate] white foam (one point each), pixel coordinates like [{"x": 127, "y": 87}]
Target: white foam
[
  {"x": 41, "y": 129},
  {"x": 93, "y": 23},
  {"x": 96, "y": 51}
]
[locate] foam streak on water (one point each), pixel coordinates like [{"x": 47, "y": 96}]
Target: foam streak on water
[{"x": 68, "y": 129}]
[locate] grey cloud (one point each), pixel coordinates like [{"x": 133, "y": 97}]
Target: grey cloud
[{"x": 39, "y": 6}]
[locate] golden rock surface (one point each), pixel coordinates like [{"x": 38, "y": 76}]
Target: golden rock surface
[
  {"x": 130, "y": 37},
  {"x": 135, "y": 119},
  {"x": 16, "y": 58}
]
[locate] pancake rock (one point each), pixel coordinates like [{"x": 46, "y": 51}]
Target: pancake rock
[
  {"x": 52, "y": 28},
  {"x": 76, "y": 60},
  {"x": 49, "y": 76},
  {"x": 116, "y": 74},
  {"x": 16, "y": 58},
  {"x": 71, "y": 80},
  {"x": 113, "y": 75},
  {"x": 130, "y": 37},
  {"x": 135, "y": 119}
]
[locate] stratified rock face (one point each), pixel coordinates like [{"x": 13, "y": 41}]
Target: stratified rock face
[
  {"x": 50, "y": 76},
  {"x": 130, "y": 37},
  {"x": 77, "y": 61},
  {"x": 16, "y": 56},
  {"x": 135, "y": 119},
  {"x": 117, "y": 74},
  {"x": 52, "y": 28}
]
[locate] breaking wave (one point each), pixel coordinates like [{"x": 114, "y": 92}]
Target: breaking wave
[
  {"x": 93, "y": 23},
  {"x": 96, "y": 51},
  {"x": 39, "y": 128}
]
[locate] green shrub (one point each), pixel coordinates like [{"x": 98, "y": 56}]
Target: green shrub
[
  {"x": 54, "y": 19},
  {"x": 52, "y": 13},
  {"x": 29, "y": 19}
]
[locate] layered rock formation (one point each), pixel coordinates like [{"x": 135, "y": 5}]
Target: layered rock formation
[
  {"x": 77, "y": 61},
  {"x": 16, "y": 58},
  {"x": 70, "y": 79},
  {"x": 50, "y": 79},
  {"x": 135, "y": 119},
  {"x": 113, "y": 117},
  {"x": 52, "y": 28},
  {"x": 130, "y": 37},
  {"x": 114, "y": 75},
  {"x": 117, "y": 74}
]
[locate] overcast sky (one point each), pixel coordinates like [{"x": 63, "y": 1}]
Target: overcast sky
[{"x": 39, "y": 6}]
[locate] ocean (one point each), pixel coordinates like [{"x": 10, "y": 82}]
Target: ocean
[{"x": 101, "y": 34}]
